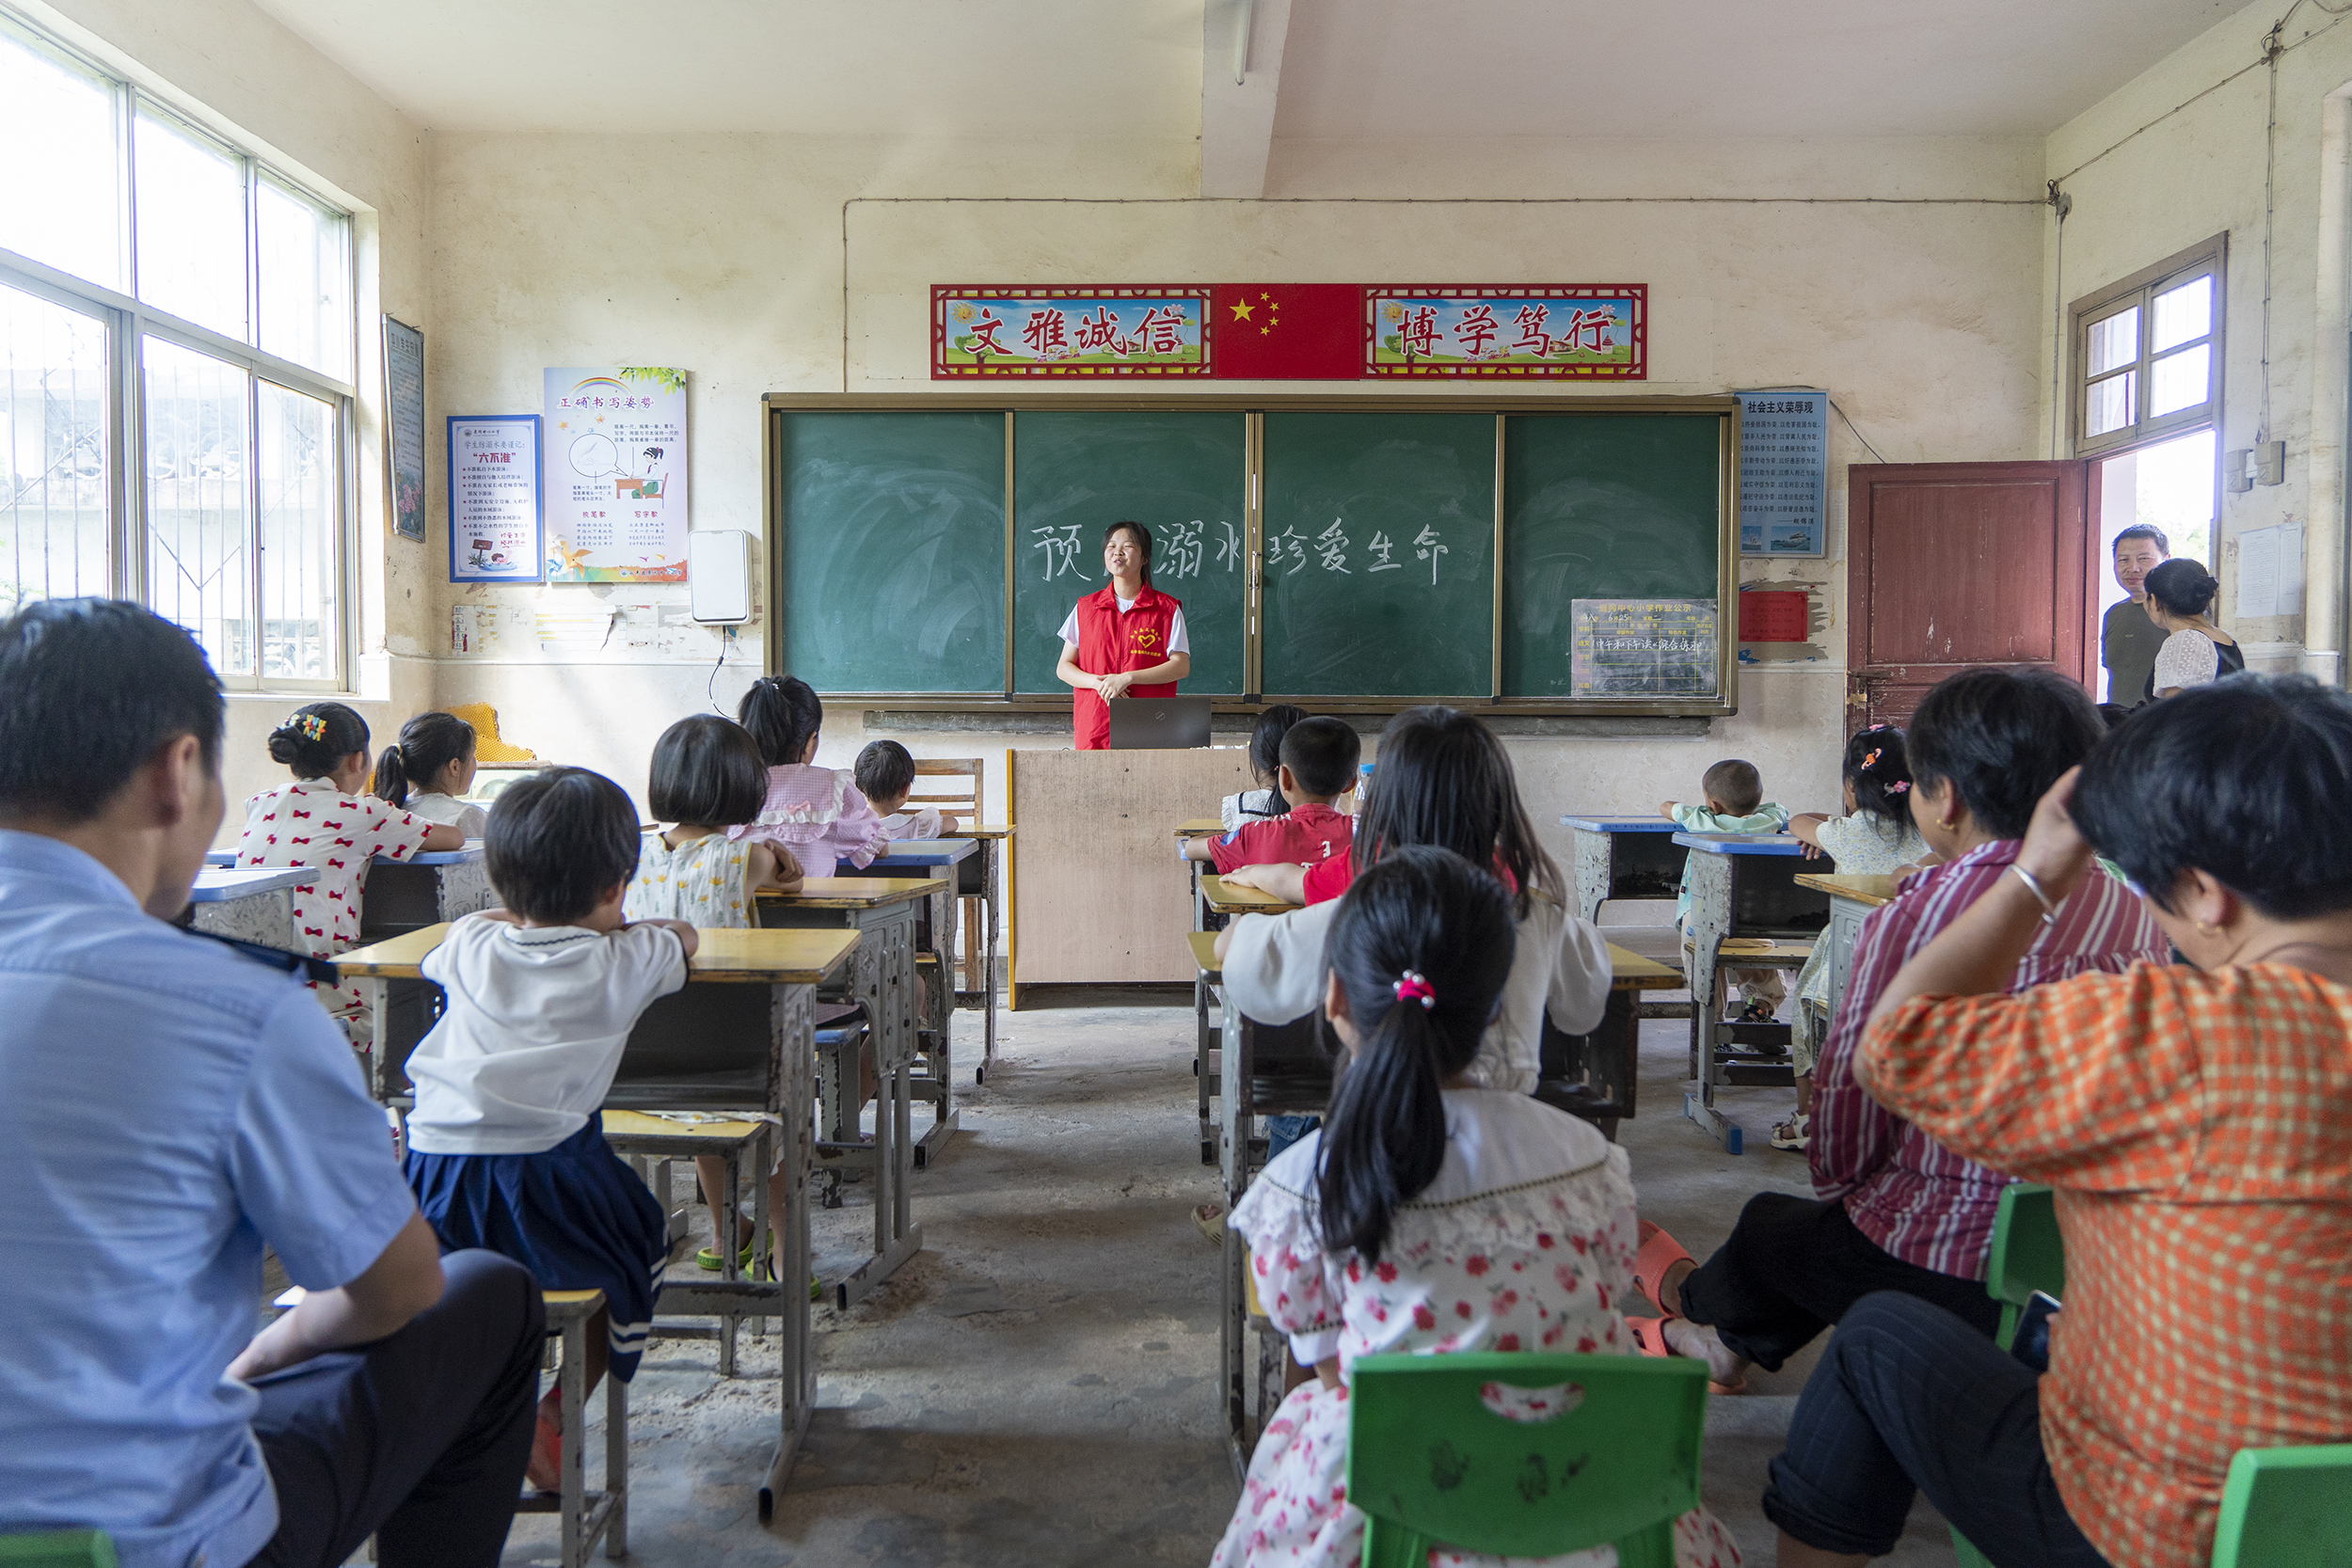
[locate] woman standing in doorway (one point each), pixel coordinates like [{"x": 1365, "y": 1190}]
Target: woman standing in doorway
[
  {"x": 1126, "y": 639},
  {"x": 2180, "y": 594}
]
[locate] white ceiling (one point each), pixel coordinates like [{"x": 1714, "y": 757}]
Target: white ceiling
[{"x": 1352, "y": 69}]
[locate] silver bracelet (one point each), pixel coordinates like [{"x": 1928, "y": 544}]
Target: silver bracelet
[{"x": 2049, "y": 910}]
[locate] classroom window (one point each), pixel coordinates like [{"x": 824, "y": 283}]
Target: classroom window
[
  {"x": 2147, "y": 353},
  {"x": 177, "y": 355}
]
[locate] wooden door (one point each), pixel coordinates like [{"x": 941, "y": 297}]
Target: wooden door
[{"x": 1955, "y": 565}]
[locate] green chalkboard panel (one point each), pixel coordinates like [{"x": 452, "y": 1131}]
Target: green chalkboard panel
[
  {"x": 1601, "y": 506},
  {"x": 1380, "y": 538},
  {"x": 890, "y": 556},
  {"x": 1182, "y": 475}
]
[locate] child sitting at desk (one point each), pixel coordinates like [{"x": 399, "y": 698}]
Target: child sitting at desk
[
  {"x": 885, "y": 776},
  {"x": 707, "y": 776},
  {"x": 1735, "y": 804},
  {"x": 1317, "y": 766},
  {"x": 323, "y": 823},
  {"x": 506, "y": 1150},
  {"x": 1431, "y": 1215},
  {"x": 433, "y": 765},
  {"x": 814, "y": 812},
  {"x": 1265, "y": 760}
]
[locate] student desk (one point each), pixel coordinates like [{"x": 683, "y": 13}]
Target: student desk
[
  {"x": 886, "y": 912},
  {"x": 1624, "y": 857},
  {"x": 1743, "y": 885},
  {"x": 1198, "y": 826},
  {"x": 430, "y": 888},
  {"x": 975, "y": 877},
  {"x": 1211, "y": 896},
  {"x": 255, "y": 904},
  {"x": 934, "y": 942},
  {"x": 1850, "y": 898},
  {"x": 739, "y": 1034},
  {"x": 1596, "y": 1076}
]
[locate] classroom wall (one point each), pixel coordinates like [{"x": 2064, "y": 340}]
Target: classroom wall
[{"x": 2177, "y": 155}]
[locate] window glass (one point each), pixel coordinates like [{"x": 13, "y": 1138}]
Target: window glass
[
  {"x": 54, "y": 392},
  {"x": 295, "y": 456},
  {"x": 58, "y": 169},
  {"x": 305, "y": 277},
  {"x": 2180, "y": 380},
  {"x": 191, "y": 225},
  {"x": 2110, "y": 404},
  {"x": 2115, "y": 342},
  {"x": 198, "y": 571},
  {"x": 2182, "y": 315}
]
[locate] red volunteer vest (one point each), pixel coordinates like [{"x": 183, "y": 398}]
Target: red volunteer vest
[{"x": 1111, "y": 642}]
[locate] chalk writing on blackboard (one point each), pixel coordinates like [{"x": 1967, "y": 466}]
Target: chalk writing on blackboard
[
  {"x": 1643, "y": 648},
  {"x": 1287, "y": 552}
]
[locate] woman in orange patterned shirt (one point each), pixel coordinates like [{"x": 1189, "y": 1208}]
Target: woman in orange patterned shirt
[{"x": 2197, "y": 1123}]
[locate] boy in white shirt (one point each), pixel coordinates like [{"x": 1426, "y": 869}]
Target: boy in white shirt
[{"x": 885, "y": 776}]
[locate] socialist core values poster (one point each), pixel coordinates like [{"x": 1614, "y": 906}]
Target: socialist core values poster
[{"x": 615, "y": 455}]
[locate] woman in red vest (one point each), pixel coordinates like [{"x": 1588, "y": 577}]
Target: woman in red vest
[{"x": 1124, "y": 641}]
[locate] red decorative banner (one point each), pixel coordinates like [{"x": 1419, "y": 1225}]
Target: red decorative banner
[
  {"x": 983, "y": 330},
  {"x": 1585, "y": 331}
]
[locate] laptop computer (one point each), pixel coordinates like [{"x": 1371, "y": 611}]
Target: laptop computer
[{"x": 1158, "y": 723}]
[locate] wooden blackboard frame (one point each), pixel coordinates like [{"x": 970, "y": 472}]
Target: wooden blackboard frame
[{"x": 1722, "y": 407}]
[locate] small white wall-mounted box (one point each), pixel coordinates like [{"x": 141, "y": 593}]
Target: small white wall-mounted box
[{"x": 719, "y": 576}]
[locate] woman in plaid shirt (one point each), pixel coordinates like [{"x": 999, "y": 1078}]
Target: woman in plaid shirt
[{"x": 2196, "y": 1120}]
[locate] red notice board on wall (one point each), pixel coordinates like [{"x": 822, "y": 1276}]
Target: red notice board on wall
[{"x": 1774, "y": 614}]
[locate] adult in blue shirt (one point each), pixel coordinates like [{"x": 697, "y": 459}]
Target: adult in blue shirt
[{"x": 167, "y": 1105}]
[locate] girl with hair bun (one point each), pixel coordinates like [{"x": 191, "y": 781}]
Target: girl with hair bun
[
  {"x": 323, "y": 823},
  {"x": 1429, "y": 1216},
  {"x": 433, "y": 765},
  {"x": 2197, "y": 653}
]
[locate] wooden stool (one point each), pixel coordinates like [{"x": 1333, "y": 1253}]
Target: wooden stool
[
  {"x": 585, "y": 1514},
  {"x": 640, "y": 1137}
]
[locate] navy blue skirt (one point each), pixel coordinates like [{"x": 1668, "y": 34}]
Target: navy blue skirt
[{"x": 574, "y": 1215}]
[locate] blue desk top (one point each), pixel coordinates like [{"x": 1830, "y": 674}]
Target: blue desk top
[
  {"x": 472, "y": 851},
  {"x": 1743, "y": 844},
  {"x": 220, "y": 857},
  {"x": 218, "y": 884},
  {"x": 927, "y": 851},
  {"x": 1618, "y": 824}
]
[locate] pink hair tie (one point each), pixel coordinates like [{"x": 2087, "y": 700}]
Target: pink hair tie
[
  {"x": 1899, "y": 786},
  {"x": 1412, "y": 988}
]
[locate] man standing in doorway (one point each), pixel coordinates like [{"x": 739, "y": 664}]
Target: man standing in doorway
[{"x": 2128, "y": 641}]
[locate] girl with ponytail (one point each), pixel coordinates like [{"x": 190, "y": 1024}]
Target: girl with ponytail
[
  {"x": 1429, "y": 1216},
  {"x": 433, "y": 765}
]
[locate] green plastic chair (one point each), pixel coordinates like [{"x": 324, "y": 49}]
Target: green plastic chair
[
  {"x": 1599, "y": 1449},
  {"x": 2286, "y": 1507},
  {"x": 62, "y": 1548},
  {"x": 2029, "y": 1255}
]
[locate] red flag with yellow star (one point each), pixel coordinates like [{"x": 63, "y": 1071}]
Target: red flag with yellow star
[{"x": 1288, "y": 331}]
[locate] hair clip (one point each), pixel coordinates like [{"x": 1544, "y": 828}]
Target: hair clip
[
  {"x": 1873, "y": 729},
  {"x": 1899, "y": 786},
  {"x": 1870, "y": 760},
  {"x": 1412, "y": 988},
  {"x": 311, "y": 726}
]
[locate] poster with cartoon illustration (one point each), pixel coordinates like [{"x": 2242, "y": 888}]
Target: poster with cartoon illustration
[
  {"x": 493, "y": 497},
  {"x": 616, "y": 475}
]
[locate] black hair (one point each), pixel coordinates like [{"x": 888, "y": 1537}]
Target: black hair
[
  {"x": 1321, "y": 754},
  {"x": 89, "y": 691},
  {"x": 2001, "y": 737},
  {"x": 315, "y": 738},
  {"x": 1431, "y": 914},
  {"x": 1879, "y": 768},
  {"x": 558, "y": 841},
  {"x": 2184, "y": 586},
  {"x": 1143, "y": 543},
  {"x": 782, "y": 712},
  {"x": 884, "y": 769},
  {"x": 2244, "y": 779},
  {"x": 1265, "y": 739},
  {"x": 706, "y": 773},
  {"x": 1734, "y": 786},
  {"x": 428, "y": 743},
  {"x": 1446, "y": 781},
  {"x": 2149, "y": 532}
]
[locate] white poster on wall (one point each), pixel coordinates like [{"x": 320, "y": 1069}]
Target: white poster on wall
[{"x": 616, "y": 501}]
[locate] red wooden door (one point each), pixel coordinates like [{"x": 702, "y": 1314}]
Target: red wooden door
[{"x": 1953, "y": 566}]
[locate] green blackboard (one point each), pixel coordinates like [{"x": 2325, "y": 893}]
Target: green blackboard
[
  {"x": 890, "y": 549},
  {"x": 1379, "y": 537},
  {"x": 1182, "y": 475},
  {"x": 1601, "y": 506}
]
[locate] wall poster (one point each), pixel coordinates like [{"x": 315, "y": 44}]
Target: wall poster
[
  {"x": 404, "y": 430},
  {"x": 616, "y": 474},
  {"x": 494, "y": 501},
  {"x": 1643, "y": 648},
  {"x": 1783, "y": 473}
]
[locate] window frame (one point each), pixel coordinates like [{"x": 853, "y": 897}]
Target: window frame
[
  {"x": 129, "y": 322},
  {"x": 2210, "y": 259}
]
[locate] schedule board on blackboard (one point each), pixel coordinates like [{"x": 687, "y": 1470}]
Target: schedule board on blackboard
[
  {"x": 1783, "y": 473},
  {"x": 1642, "y": 647}
]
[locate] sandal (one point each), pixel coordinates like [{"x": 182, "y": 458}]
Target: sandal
[
  {"x": 1658, "y": 1252},
  {"x": 1650, "y": 1335},
  {"x": 1209, "y": 1219},
  {"x": 1796, "y": 1133},
  {"x": 1756, "y": 1012}
]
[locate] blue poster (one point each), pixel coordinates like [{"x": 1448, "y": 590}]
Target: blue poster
[
  {"x": 494, "y": 511},
  {"x": 1783, "y": 473}
]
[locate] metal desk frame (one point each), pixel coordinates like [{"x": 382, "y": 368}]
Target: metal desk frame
[{"x": 1741, "y": 885}]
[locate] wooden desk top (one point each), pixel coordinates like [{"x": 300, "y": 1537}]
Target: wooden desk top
[
  {"x": 1756, "y": 952},
  {"x": 1631, "y": 971},
  {"x": 1872, "y": 891},
  {"x": 985, "y": 829},
  {"x": 856, "y": 893},
  {"x": 1240, "y": 900},
  {"x": 1205, "y": 951},
  {"x": 624, "y": 1124},
  {"x": 766, "y": 957},
  {"x": 1200, "y": 827}
]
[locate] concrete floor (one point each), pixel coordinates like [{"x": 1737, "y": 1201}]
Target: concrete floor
[{"x": 1038, "y": 1387}]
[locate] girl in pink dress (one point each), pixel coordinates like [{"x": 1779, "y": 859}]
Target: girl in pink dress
[
  {"x": 1427, "y": 1215},
  {"x": 814, "y": 812}
]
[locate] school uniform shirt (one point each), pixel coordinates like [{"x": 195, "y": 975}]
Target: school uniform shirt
[
  {"x": 1766, "y": 818},
  {"x": 1308, "y": 834},
  {"x": 532, "y": 1030},
  {"x": 1247, "y": 806},
  {"x": 821, "y": 816},
  {"x": 927, "y": 823},
  {"x": 168, "y": 1107},
  {"x": 2128, "y": 642},
  {"x": 701, "y": 883},
  {"x": 449, "y": 812},
  {"x": 1273, "y": 974},
  {"x": 311, "y": 824}
]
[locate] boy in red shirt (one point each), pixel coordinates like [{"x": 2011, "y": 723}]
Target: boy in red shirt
[{"x": 1318, "y": 766}]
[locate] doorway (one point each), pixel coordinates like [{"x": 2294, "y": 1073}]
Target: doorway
[{"x": 2169, "y": 485}]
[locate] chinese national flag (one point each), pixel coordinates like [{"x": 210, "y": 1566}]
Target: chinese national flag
[{"x": 1288, "y": 331}]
